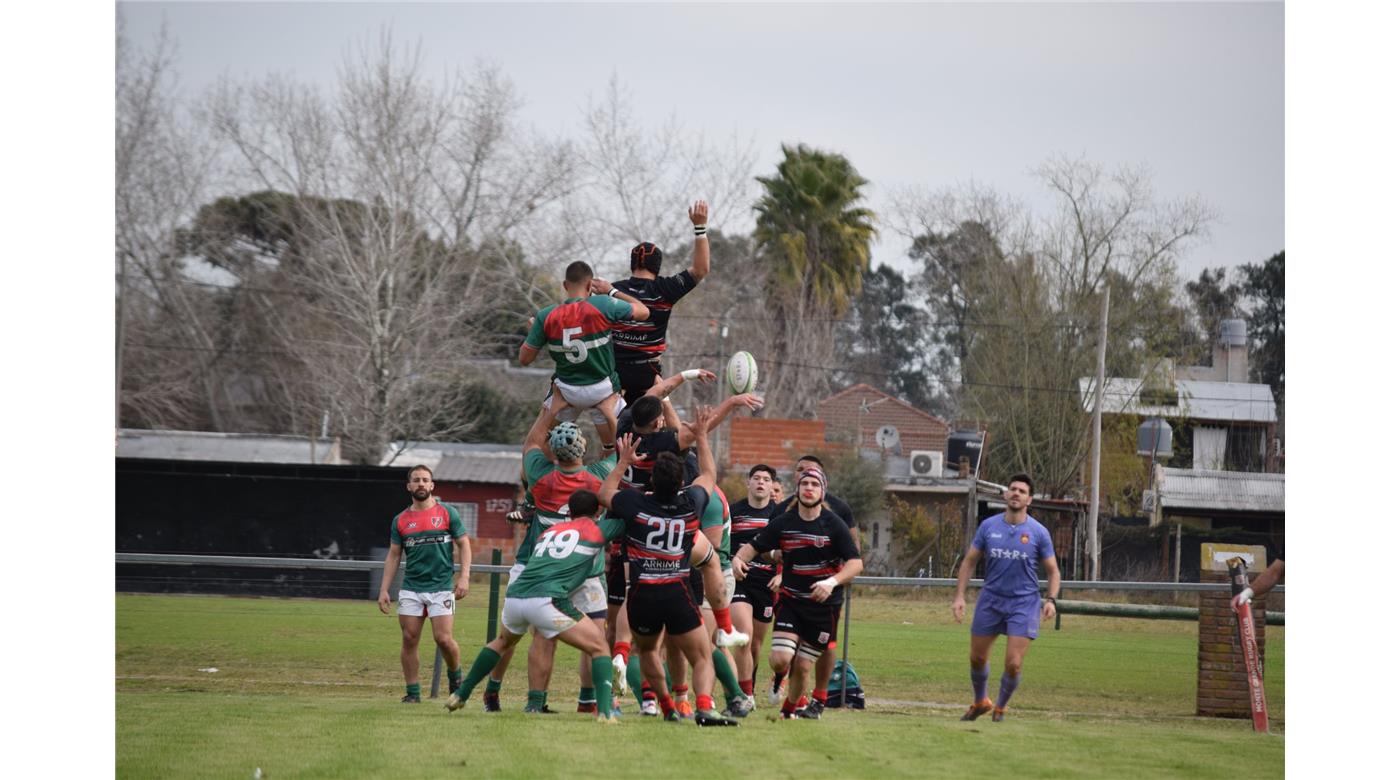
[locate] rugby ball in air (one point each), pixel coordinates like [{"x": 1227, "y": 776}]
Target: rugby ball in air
[{"x": 741, "y": 375}]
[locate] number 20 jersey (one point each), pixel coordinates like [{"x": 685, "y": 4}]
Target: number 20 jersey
[{"x": 660, "y": 534}]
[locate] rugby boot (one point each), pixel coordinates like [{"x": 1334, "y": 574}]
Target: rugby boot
[
  {"x": 491, "y": 702},
  {"x": 411, "y": 698},
  {"x": 998, "y": 714},
  {"x": 454, "y": 702},
  {"x": 735, "y": 638},
  {"x": 978, "y": 710},
  {"x": 712, "y": 718}
]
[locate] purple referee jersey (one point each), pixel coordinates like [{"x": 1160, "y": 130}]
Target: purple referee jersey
[{"x": 1013, "y": 554}]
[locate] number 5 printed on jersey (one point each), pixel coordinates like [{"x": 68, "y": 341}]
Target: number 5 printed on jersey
[{"x": 580, "y": 349}]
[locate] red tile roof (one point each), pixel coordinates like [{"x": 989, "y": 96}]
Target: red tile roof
[{"x": 861, "y": 410}]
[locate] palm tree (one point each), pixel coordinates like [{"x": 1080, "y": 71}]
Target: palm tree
[
  {"x": 815, "y": 244},
  {"x": 809, "y": 229}
]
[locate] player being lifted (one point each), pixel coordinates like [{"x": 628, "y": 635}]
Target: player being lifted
[
  {"x": 578, "y": 333},
  {"x": 1013, "y": 543},
  {"x": 639, "y": 342},
  {"x": 662, "y": 535},
  {"x": 819, "y": 559},
  {"x": 565, "y": 555}
]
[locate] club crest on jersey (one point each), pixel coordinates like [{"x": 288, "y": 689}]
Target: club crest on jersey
[
  {"x": 437, "y": 523},
  {"x": 1025, "y": 538}
]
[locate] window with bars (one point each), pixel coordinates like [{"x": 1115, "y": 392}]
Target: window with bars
[{"x": 468, "y": 513}]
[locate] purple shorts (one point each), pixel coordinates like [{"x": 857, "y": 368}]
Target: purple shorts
[{"x": 1015, "y": 616}]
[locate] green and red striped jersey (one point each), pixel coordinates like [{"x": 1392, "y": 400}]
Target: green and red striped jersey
[
  {"x": 565, "y": 555},
  {"x": 578, "y": 334},
  {"x": 426, "y": 537},
  {"x": 550, "y": 487}
]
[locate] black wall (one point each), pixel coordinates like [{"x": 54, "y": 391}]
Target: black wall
[{"x": 264, "y": 510}]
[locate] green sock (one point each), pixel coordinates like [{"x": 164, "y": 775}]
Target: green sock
[
  {"x": 454, "y": 678},
  {"x": 726, "y": 675},
  {"x": 414, "y": 689},
  {"x": 634, "y": 676},
  {"x": 585, "y": 695},
  {"x": 493, "y": 685},
  {"x": 665, "y": 667},
  {"x": 534, "y": 700},
  {"x": 485, "y": 661},
  {"x": 602, "y": 683}
]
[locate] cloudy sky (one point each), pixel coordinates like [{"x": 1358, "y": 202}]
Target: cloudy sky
[{"x": 928, "y": 96}]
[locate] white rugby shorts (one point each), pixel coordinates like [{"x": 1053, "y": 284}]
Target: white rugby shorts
[
  {"x": 519, "y": 615},
  {"x": 580, "y": 397},
  {"x": 436, "y": 604}
]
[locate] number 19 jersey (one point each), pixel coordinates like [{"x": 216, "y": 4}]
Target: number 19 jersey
[
  {"x": 564, "y": 556},
  {"x": 660, "y": 534}
]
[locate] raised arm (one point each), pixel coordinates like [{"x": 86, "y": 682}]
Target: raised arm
[
  {"x": 626, "y": 456},
  {"x": 673, "y": 382},
  {"x": 698, "y": 431},
  {"x": 700, "y": 265},
  {"x": 686, "y": 438}
]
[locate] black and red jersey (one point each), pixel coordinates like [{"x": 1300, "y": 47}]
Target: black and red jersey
[
  {"x": 744, "y": 524},
  {"x": 634, "y": 341},
  {"x": 812, "y": 550},
  {"x": 660, "y": 534}
]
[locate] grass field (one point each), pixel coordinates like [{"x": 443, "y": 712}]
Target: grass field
[{"x": 310, "y": 688}]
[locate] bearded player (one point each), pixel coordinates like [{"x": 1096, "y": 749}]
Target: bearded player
[{"x": 819, "y": 560}]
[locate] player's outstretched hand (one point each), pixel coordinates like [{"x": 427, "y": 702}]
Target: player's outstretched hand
[
  {"x": 701, "y": 424},
  {"x": 1245, "y": 596},
  {"x": 627, "y": 449},
  {"x": 384, "y": 601},
  {"x": 959, "y": 608},
  {"x": 753, "y": 402},
  {"x": 703, "y": 376},
  {"x": 699, "y": 213}
]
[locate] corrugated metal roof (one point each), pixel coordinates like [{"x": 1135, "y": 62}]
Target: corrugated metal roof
[
  {"x": 491, "y": 468},
  {"x": 1233, "y": 491},
  {"x": 228, "y": 447},
  {"x": 1196, "y": 399}
]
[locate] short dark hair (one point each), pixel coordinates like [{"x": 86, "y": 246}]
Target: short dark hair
[
  {"x": 420, "y": 467},
  {"x": 666, "y": 475},
  {"x": 578, "y": 272},
  {"x": 1026, "y": 478},
  {"x": 583, "y": 503},
  {"x": 647, "y": 255},
  {"x": 772, "y": 473},
  {"x": 814, "y": 459},
  {"x": 645, "y": 410}
]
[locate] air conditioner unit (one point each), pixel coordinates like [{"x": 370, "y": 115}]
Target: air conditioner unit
[{"x": 925, "y": 463}]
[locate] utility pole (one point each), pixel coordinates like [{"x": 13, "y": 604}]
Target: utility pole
[{"x": 1098, "y": 441}]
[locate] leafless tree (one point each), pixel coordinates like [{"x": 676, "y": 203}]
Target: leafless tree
[
  {"x": 167, "y": 350},
  {"x": 415, "y": 207}
]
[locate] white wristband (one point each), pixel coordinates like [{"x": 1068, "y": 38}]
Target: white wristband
[
  {"x": 612, "y": 293},
  {"x": 700, "y": 230},
  {"x": 830, "y": 582},
  {"x": 1246, "y": 595},
  {"x": 690, "y": 374}
]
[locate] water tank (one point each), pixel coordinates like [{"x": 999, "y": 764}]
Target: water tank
[
  {"x": 1155, "y": 438},
  {"x": 1233, "y": 333},
  {"x": 964, "y": 444}
]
